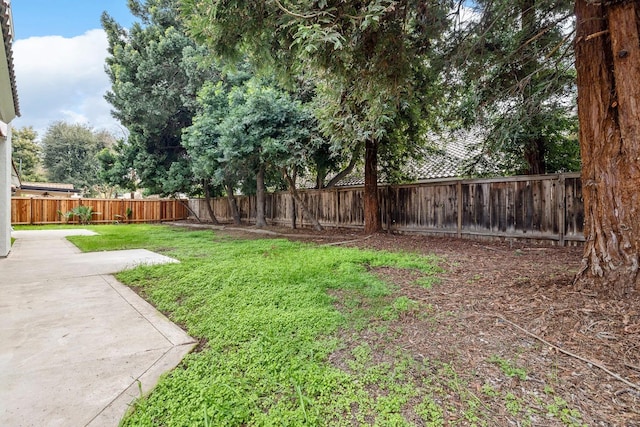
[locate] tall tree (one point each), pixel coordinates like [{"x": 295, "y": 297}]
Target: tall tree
[
  {"x": 264, "y": 130},
  {"x": 153, "y": 92},
  {"x": 513, "y": 77},
  {"x": 26, "y": 153},
  {"x": 607, "y": 49},
  {"x": 202, "y": 139},
  {"x": 369, "y": 51},
  {"x": 115, "y": 169},
  {"x": 70, "y": 152}
]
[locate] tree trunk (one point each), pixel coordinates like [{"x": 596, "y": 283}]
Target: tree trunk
[
  {"x": 186, "y": 205},
  {"x": 372, "y": 221},
  {"x": 233, "y": 206},
  {"x": 346, "y": 171},
  {"x": 320, "y": 177},
  {"x": 607, "y": 51},
  {"x": 207, "y": 200},
  {"x": 260, "y": 198},
  {"x": 534, "y": 155},
  {"x": 296, "y": 196},
  {"x": 534, "y": 147}
]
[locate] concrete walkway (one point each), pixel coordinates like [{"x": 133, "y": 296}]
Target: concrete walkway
[{"x": 75, "y": 344}]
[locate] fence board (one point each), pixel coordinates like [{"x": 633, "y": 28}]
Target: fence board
[
  {"x": 41, "y": 210},
  {"x": 540, "y": 207}
]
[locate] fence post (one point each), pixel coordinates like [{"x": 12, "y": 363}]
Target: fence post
[
  {"x": 459, "y": 199},
  {"x": 31, "y": 211},
  {"x": 562, "y": 207},
  {"x": 336, "y": 205}
]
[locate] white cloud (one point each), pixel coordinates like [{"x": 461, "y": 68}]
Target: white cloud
[{"x": 63, "y": 79}]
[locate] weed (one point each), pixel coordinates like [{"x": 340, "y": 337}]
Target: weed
[
  {"x": 560, "y": 409},
  {"x": 430, "y": 412},
  {"x": 429, "y": 282},
  {"x": 512, "y": 404},
  {"x": 508, "y": 368},
  {"x": 399, "y": 306},
  {"x": 489, "y": 390}
]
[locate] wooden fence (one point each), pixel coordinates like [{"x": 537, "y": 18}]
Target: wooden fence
[
  {"x": 46, "y": 210},
  {"x": 541, "y": 207}
]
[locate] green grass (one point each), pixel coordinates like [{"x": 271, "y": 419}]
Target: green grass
[
  {"x": 265, "y": 310},
  {"x": 266, "y": 314}
]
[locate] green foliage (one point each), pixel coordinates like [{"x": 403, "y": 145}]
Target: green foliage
[
  {"x": 374, "y": 64},
  {"x": 155, "y": 71},
  {"x": 26, "y": 153},
  {"x": 264, "y": 311},
  {"x": 512, "y": 78},
  {"x": 508, "y": 368},
  {"x": 246, "y": 126},
  {"x": 116, "y": 166},
  {"x": 70, "y": 152},
  {"x": 430, "y": 412},
  {"x": 560, "y": 409},
  {"x": 264, "y": 126},
  {"x": 84, "y": 213}
]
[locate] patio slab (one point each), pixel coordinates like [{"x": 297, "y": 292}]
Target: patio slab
[{"x": 77, "y": 345}]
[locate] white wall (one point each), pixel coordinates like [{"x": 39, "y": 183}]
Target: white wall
[{"x": 5, "y": 190}]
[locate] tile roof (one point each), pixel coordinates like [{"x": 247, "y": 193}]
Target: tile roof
[
  {"x": 48, "y": 186},
  {"x": 6, "y": 22},
  {"x": 449, "y": 156}
]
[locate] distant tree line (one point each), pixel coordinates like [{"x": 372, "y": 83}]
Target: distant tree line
[{"x": 66, "y": 153}]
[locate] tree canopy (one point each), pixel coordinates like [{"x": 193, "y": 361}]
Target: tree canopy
[
  {"x": 154, "y": 85},
  {"x": 373, "y": 56},
  {"x": 69, "y": 154},
  {"x": 26, "y": 152},
  {"x": 512, "y": 80},
  {"x": 249, "y": 130}
]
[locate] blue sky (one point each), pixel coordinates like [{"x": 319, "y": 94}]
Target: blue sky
[
  {"x": 59, "y": 53},
  {"x": 66, "y": 18}
]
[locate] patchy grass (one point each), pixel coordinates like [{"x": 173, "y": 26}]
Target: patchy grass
[
  {"x": 264, "y": 309},
  {"x": 298, "y": 334}
]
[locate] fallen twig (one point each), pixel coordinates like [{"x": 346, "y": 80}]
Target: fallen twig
[
  {"x": 561, "y": 350},
  {"x": 490, "y": 248},
  {"x": 630, "y": 366},
  {"x": 348, "y": 241}
]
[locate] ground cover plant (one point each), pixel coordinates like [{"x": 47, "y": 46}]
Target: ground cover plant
[{"x": 308, "y": 334}]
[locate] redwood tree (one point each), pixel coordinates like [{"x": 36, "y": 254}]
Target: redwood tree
[
  {"x": 607, "y": 49},
  {"x": 376, "y": 59}
]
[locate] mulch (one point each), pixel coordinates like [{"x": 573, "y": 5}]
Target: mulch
[{"x": 513, "y": 300}]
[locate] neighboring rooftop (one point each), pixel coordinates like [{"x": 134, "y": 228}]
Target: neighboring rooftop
[
  {"x": 15, "y": 178},
  {"x": 48, "y": 186},
  {"x": 449, "y": 156},
  {"x": 6, "y": 23}
]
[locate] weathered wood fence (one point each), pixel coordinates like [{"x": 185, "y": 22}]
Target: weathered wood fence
[
  {"x": 540, "y": 207},
  {"x": 46, "y": 210}
]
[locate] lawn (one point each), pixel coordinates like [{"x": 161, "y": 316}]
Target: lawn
[
  {"x": 376, "y": 332},
  {"x": 274, "y": 317}
]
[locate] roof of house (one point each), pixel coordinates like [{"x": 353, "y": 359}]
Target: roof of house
[
  {"x": 448, "y": 156},
  {"x": 49, "y": 186},
  {"x": 15, "y": 177},
  {"x": 6, "y": 23}
]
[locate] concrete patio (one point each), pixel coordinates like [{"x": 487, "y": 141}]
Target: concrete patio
[{"x": 77, "y": 345}]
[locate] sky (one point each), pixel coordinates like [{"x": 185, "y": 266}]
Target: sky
[{"x": 59, "y": 53}]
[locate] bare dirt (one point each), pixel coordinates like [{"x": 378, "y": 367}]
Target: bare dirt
[{"x": 512, "y": 302}]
